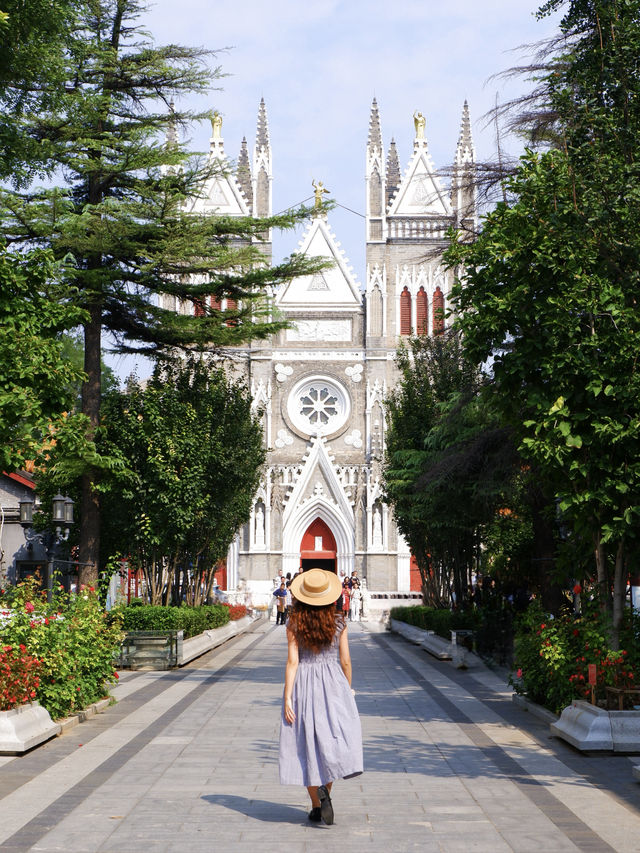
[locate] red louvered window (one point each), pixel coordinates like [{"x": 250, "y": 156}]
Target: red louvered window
[
  {"x": 215, "y": 303},
  {"x": 438, "y": 312},
  {"x": 231, "y": 304},
  {"x": 405, "y": 312},
  {"x": 198, "y": 307},
  {"x": 422, "y": 313}
]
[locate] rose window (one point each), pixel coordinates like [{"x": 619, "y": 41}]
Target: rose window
[{"x": 318, "y": 406}]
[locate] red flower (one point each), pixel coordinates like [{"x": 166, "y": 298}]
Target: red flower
[
  {"x": 577, "y": 589},
  {"x": 519, "y": 674},
  {"x": 29, "y": 607},
  {"x": 115, "y": 675}
]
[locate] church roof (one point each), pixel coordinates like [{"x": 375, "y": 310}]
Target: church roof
[
  {"x": 221, "y": 193},
  {"x": 335, "y": 287}
]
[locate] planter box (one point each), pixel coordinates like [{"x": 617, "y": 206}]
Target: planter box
[
  {"x": 25, "y": 727},
  {"x": 592, "y": 729},
  {"x": 151, "y": 650},
  {"x": 159, "y": 650},
  {"x": 429, "y": 640}
]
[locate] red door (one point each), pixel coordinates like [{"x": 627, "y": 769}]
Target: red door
[{"x": 318, "y": 547}]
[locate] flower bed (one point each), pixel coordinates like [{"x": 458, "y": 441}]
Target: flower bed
[
  {"x": 72, "y": 638},
  {"x": 553, "y": 657}
]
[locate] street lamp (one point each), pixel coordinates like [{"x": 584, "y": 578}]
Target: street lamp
[{"x": 62, "y": 517}]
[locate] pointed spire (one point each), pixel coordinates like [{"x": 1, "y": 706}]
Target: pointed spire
[
  {"x": 262, "y": 134},
  {"x": 465, "y": 152},
  {"x": 375, "y": 134},
  {"x": 172, "y": 131},
  {"x": 243, "y": 172},
  {"x": 393, "y": 172}
]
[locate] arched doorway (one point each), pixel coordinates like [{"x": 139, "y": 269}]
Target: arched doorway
[{"x": 318, "y": 547}]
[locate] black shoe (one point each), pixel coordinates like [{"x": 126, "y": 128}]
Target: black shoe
[
  {"x": 326, "y": 808},
  {"x": 314, "y": 815}
]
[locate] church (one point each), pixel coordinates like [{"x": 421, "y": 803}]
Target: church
[{"x": 321, "y": 384}]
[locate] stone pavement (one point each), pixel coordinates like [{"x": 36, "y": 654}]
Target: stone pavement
[{"x": 187, "y": 762}]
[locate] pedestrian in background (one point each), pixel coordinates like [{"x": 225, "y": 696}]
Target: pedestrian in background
[
  {"x": 320, "y": 733},
  {"x": 280, "y": 595}
]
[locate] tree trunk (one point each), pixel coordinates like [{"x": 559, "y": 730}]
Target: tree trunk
[
  {"x": 89, "y": 549},
  {"x": 602, "y": 575},
  {"x": 619, "y": 591}
]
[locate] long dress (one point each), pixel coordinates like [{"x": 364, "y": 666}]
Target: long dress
[{"x": 325, "y": 742}]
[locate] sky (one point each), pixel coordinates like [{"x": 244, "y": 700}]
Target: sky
[{"x": 318, "y": 66}]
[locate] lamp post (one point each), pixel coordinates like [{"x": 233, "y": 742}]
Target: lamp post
[{"x": 48, "y": 539}]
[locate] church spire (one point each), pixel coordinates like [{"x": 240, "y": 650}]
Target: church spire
[
  {"x": 243, "y": 172},
  {"x": 463, "y": 183},
  {"x": 393, "y": 172},
  {"x": 375, "y": 134},
  {"x": 262, "y": 134},
  {"x": 465, "y": 151}
]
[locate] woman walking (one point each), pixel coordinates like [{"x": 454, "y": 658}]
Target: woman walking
[{"x": 320, "y": 734}]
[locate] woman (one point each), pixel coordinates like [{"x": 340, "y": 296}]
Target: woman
[
  {"x": 281, "y": 595},
  {"x": 320, "y": 734}
]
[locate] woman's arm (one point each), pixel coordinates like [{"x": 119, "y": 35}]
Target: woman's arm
[
  {"x": 345, "y": 657},
  {"x": 290, "y": 677}
]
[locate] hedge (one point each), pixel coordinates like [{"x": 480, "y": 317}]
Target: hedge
[
  {"x": 191, "y": 620},
  {"x": 440, "y": 620}
]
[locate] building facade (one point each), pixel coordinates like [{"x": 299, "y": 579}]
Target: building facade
[{"x": 321, "y": 384}]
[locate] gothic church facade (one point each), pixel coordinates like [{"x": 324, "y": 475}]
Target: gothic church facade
[{"x": 321, "y": 384}]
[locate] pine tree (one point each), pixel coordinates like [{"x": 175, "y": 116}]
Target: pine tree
[{"x": 120, "y": 211}]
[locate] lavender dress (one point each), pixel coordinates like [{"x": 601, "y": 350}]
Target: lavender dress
[{"x": 325, "y": 742}]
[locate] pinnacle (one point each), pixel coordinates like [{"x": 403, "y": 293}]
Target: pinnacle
[
  {"x": 262, "y": 134},
  {"x": 243, "y": 172},
  {"x": 375, "y": 134},
  {"x": 393, "y": 176},
  {"x": 172, "y": 133},
  {"x": 465, "y": 139}
]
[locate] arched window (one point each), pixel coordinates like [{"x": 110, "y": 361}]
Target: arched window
[
  {"x": 438, "y": 312},
  {"x": 405, "y": 312},
  {"x": 422, "y": 313},
  {"x": 375, "y": 306}
]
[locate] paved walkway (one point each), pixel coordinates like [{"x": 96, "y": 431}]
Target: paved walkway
[{"x": 187, "y": 762}]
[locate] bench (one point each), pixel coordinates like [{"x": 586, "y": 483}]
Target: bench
[{"x": 620, "y": 693}]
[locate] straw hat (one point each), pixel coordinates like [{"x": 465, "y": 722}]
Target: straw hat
[{"x": 317, "y": 587}]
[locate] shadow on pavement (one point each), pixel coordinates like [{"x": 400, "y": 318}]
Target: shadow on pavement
[{"x": 259, "y": 809}]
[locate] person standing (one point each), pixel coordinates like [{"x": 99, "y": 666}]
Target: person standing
[
  {"x": 320, "y": 732},
  {"x": 355, "y": 602},
  {"x": 281, "y": 595}
]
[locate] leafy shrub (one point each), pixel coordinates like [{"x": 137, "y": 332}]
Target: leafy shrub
[
  {"x": 553, "y": 657},
  {"x": 191, "y": 620},
  {"x": 18, "y": 677},
  {"x": 72, "y": 637},
  {"x": 440, "y": 620}
]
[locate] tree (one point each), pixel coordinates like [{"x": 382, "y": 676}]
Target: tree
[
  {"x": 448, "y": 466},
  {"x": 121, "y": 212},
  {"x": 35, "y": 376},
  {"x": 549, "y": 290},
  {"x": 194, "y": 454}
]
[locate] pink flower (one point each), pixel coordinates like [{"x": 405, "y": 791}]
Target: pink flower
[
  {"x": 519, "y": 674},
  {"x": 29, "y": 607}
]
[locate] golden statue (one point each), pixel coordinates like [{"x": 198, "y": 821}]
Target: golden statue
[
  {"x": 318, "y": 190},
  {"x": 419, "y": 120},
  {"x": 216, "y": 125}
]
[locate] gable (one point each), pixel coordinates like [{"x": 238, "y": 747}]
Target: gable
[
  {"x": 221, "y": 195},
  {"x": 330, "y": 288},
  {"x": 420, "y": 192}
]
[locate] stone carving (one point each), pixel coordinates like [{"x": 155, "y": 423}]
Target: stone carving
[
  {"x": 318, "y": 190},
  {"x": 318, "y": 282},
  {"x": 259, "y": 527},
  {"x": 283, "y": 439},
  {"x": 419, "y": 122},
  {"x": 354, "y": 439},
  {"x": 354, "y": 372},
  {"x": 377, "y": 525},
  {"x": 283, "y": 371},
  {"x": 320, "y": 330}
]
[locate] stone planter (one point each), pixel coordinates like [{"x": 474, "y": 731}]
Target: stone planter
[
  {"x": 25, "y": 727},
  {"x": 593, "y": 729},
  {"x": 159, "y": 650}
]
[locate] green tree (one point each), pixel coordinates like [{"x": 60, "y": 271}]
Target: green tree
[
  {"x": 194, "y": 454},
  {"x": 143, "y": 263},
  {"x": 549, "y": 290},
  {"x": 35, "y": 376}
]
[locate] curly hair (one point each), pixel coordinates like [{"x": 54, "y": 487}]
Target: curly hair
[{"x": 314, "y": 627}]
